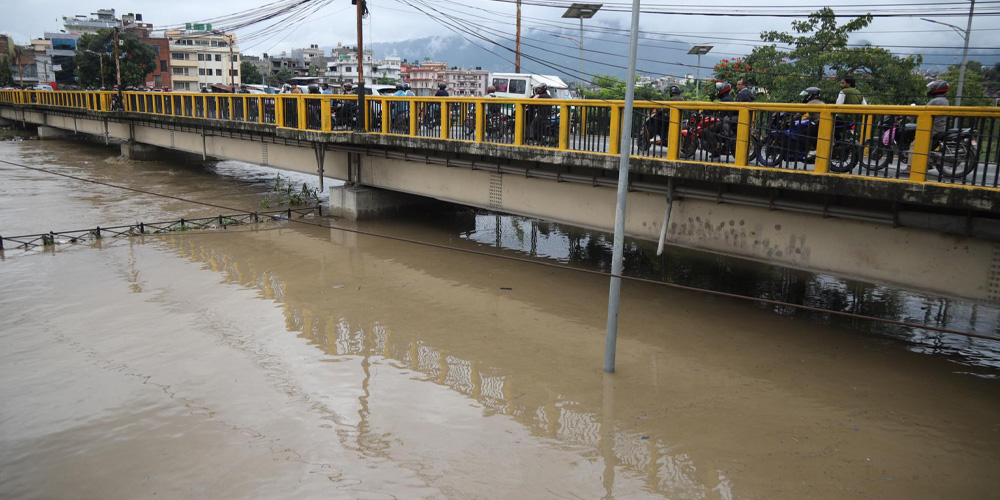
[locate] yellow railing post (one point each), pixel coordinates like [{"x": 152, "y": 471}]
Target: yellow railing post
[
  {"x": 564, "y": 127},
  {"x": 324, "y": 111},
  {"x": 518, "y": 124},
  {"x": 615, "y": 139},
  {"x": 279, "y": 112},
  {"x": 742, "y": 137},
  {"x": 386, "y": 116},
  {"x": 412, "y": 107},
  {"x": 300, "y": 104},
  {"x": 445, "y": 122},
  {"x": 674, "y": 134},
  {"x": 245, "y": 102},
  {"x": 480, "y": 119},
  {"x": 824, "y": 142},
  {"x": 921, "y": 147}
]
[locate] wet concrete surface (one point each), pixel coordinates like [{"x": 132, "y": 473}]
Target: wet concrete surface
[{"x": 283, "y": 360}]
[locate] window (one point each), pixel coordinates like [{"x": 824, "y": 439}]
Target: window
[
  {"x": 500, "y": 84},
  {"x": 218, "y": 57},
  {"x": 201, "y": 57},
  {"x": 236, "y": 57},
  {"x": 516, "y": 86},
  {"x": 177, "y": 56},
  {"x": 181, "y": 71},
  {"x": 234, "y": 72},
  {"x": 348, "y": 69},
  {"x": 163, "y": 65},
  {"x": 218, "y": 72},
  {"x": 201, "y": 71}
]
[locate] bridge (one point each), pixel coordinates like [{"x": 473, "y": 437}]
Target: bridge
[{"x": 877, "y": 200}]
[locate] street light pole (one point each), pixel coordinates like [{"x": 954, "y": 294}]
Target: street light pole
[
  {"x": 966, "y": 34},
  {"x": 578, "y": 42},
  {"x": 699, "y": 50},
  {"x": 581, "y": 11}
]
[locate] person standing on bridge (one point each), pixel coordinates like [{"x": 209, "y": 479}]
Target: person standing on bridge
[
  {"x": 743, "y": 93},
  {"x": 442, "y": 90}
]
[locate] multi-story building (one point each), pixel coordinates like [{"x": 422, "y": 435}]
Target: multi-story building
[
  {"x": 102, "y": 19},
  {"x": 466, "y": 82},
  {"x": 424, "y": 79},
  {"x": 344, "y": 67},
  {"x": 200, "y": 59}
]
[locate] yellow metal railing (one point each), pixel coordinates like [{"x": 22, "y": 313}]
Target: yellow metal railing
[{"x": 819, "y": 140}]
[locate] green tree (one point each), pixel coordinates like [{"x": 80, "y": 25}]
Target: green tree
[
  {"x": 974, "y": 88},
  {"x": 386, "y": 81},
  {"x": 993, "y": 80},
  {"x": 250, "y": 74},
  {"x": 820, "y": 57},
  {"x": 137, "y": 59},
  {"x": 283, "y": 76},
  {"x": 6, "y": 74},
  {"x": 608, "y": 87}
]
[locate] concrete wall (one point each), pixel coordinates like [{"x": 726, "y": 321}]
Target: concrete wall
[{"x": 912, "y": 258}]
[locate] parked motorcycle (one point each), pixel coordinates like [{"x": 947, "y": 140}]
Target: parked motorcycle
[
  {"x": 653, "y": 131},
  {"x": 701, "y": 127},
  {"x": 791, "y": 138},
  {"x": 954, "y": 154}
]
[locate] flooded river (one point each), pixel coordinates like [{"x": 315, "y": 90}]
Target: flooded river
[{"x": 283, "y": 360}]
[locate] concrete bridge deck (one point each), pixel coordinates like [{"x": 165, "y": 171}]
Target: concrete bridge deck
[{"x": 924, "y": 230}]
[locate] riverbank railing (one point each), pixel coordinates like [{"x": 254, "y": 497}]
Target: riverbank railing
[{"x": 888, "y": 143}]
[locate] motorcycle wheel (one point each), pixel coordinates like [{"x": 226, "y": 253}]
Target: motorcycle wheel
[
  {"x": 879, "y": 156},
  {"x": 954, "y": 160},
  {"x": 754, "y": 151},
  {"x": 689, "y": 145},
  {"x": 844, "y": 157},
  {"x": 642, "y": 140},
  {"x": 771, "y": 152}
]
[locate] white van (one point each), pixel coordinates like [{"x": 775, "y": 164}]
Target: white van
[{"x": 522, "y": 85}]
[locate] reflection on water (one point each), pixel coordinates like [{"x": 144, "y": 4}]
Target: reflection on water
[
  {"x": 455, "y": 375},
  {"x": 593, "y": 250}
]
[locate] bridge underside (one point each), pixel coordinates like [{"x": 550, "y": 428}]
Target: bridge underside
[{"x": 921, "y": 237}]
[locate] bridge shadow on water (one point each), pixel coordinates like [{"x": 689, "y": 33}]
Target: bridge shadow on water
[{"x": 589, "y": 249}]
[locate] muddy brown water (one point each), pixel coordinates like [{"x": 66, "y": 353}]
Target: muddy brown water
[{"x": 289, "y": 361}]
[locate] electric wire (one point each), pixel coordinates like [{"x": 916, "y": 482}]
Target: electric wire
[{"x": 541, "y": 263}]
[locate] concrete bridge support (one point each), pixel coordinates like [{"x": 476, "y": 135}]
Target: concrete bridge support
[
  {"x": 45, "y": 132},
  {"x": 362, "y": 202},
  {"x": 140, "y": 152}
]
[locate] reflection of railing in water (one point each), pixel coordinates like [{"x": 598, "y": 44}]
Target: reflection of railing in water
[{"x": 740, "y": 135}]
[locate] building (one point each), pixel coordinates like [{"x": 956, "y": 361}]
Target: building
[
  {"x": 424, "y": 79},
  {"x": 201, "y": 58},
  {"x": 102, "y": 19},
  {"x": 466, "y": 82},
  {"x": 344, "y": 67},
  {"x": 62, "y": 53}
]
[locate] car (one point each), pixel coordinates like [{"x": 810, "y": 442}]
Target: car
[{"x": 42, "y": 86}]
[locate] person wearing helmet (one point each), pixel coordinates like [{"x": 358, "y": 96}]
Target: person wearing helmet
[
  {"x": 539, "y": 118},
  {"x": 715, "y": 134},
  {"x": 722, "y": 92},
  {"x": 675, "y": 93},
  {"x": 348, "y": 88},
  {"x": 936, "y": 90},
  {"x": 406, "y": 90},
  {"x": 399, "y": 90},
  {"x": 541, "y": 92},
  {"x": 442, "y": 90},
  {"x": 811, "y": 95},
  {"x": 313, "y": 88}
]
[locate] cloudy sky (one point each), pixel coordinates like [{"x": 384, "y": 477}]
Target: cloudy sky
[{"x": 333, "y": 21}]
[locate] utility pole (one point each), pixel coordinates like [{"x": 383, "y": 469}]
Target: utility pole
[
  {"x": 232, "y": 74},
  {"x": 118, "y": 70},
  {"x": 362, "y": 112},
  {"x": 517, "y": 51},
  {"x": 965, "y": 57}
]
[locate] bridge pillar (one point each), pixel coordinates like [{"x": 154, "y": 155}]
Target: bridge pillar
[
  {"x": 139, "y": 151},
  {"x": 362, "y": 202},
  {"x": 52, "y": 133}
]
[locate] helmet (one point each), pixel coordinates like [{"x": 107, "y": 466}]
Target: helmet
[
  {"x": 399, "y": 86},
  {"x": 810, "y": 94},
  {"x": 675, "y": 90},
  {"x": 937, "y": 87},
  {"x": 406, "y": 86},
  {"x": 442, "y": 85},
  {"x": 313, "y": 88},
  {"x": 541, "y": 88},
  {"x": 722, "y": 88}
]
